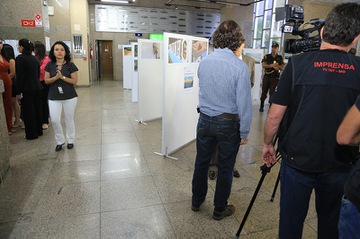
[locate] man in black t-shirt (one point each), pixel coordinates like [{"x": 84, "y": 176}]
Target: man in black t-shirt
[
  {"x": 349, "y": 134},
  {"x": 273, "y": 64},
  {"x": 314, "y": 93}
]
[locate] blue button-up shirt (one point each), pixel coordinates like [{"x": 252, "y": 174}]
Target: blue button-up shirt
[{"x": 224, "y": 83}]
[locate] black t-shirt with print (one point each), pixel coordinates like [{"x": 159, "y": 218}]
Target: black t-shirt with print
[
  {"x": 326, "y": 85},
  {"x": 61, "y": 90}
]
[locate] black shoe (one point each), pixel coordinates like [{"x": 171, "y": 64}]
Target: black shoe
[
  {"x": 228, "y": 211},
  {"x": 58, "y": 147},
  {"x": 236, "y": 174},
  {"x": 70, "y": 146},
  {"x": 212, "y": 174},
  {"x": 261, "y": 106},
  {"x": 195, "y": 208}
]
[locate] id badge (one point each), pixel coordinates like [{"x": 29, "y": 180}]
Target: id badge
[{"x": 60, "y": 90}]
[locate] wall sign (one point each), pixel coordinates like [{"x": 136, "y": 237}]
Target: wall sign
[{"x": 28, "y": 23}]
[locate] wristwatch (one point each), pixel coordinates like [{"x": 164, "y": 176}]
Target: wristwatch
[{"x": 63, "y": 77}]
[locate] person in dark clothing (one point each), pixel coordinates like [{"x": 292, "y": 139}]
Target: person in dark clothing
[
  {"x": 28, "y": 85},
  {"x": 349, "y": 134},
  {"x": 314, "y": 93},
  {"x": 40, "y": 53},
  {"x": 273, "y": 64}
]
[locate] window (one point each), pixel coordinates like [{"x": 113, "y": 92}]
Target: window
[{"x": 265, "y": 29}]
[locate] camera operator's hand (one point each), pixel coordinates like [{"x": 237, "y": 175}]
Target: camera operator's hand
[{"x": 269, "y": 155}]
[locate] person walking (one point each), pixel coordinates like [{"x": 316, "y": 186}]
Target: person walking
[
  {"x": 61, "y": 76},
  {"x": 28, "y": 85},
  {"x": 225, "y": 117},
  {"x": 314, "y": 93}
]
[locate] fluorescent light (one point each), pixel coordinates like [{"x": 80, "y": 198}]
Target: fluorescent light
[
  {"x": 118, "y": 1},
  {"x": 58, "y": 3}
]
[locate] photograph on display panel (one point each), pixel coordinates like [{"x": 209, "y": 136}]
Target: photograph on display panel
[
  {"x": 150, "y": 50},
  {"x": 127, "y": 51},
  {"x": 178, "y": 50},
  {"x": 135, "y": 50},
  {"x": 199, "y": 50},
  {"x": 135, "y": 65},
  {"x": 189, "y": 75}
]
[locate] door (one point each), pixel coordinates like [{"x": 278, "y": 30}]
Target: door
[{"x": 106, "y": 71}]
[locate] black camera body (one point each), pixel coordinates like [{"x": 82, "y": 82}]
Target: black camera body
[
  {"x": 294, "y": 17},
  {"x": 294, "y": 13}
]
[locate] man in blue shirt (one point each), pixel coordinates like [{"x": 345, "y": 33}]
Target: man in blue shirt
[{"x": 225, "y": 116}]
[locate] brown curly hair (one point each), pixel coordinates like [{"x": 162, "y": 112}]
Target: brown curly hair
[{"x": 228, "y": 35}]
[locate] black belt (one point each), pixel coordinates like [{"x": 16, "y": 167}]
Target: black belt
[
  {"x": 272, "y": 77},
  {"x": 228, "y": 116},
  {"x": 225, "y": 116}
]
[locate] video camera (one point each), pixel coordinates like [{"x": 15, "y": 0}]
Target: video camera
[{"x": 294, "y": 17}]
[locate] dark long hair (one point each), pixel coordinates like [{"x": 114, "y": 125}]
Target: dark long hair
[
  {"x": 8, "y": 52},
  {"x": 67, "y": 57},
  {"x": 3, "y": 53},
  {"x": 39, "y": 50},
  {"x": 28, "y": 46}
]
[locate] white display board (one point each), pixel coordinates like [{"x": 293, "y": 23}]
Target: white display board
[
  {"x": 150, "y": 79},
  {"x": 258, "y": 55},
  {"x": 134, "y": 73},
  {"x": 182, "y": 55},
  {"x": 127, "y": 66}
]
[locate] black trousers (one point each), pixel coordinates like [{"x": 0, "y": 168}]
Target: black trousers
[
  {"x": 268, "y": 84},
  {"x": 32, "y": 114},
  {"x": 44, "y": 102}
]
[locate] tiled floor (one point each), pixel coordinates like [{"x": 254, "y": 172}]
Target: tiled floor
[{"x": 113, "y": 185}]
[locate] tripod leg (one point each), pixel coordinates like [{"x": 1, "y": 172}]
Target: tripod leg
[
  {"x": 275, "y": 187},
  {"x": 278, "y": 157},
  {"x": 264, "y": 170}
]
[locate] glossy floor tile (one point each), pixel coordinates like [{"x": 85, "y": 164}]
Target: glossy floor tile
[{"x": 113, "y": 185}]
